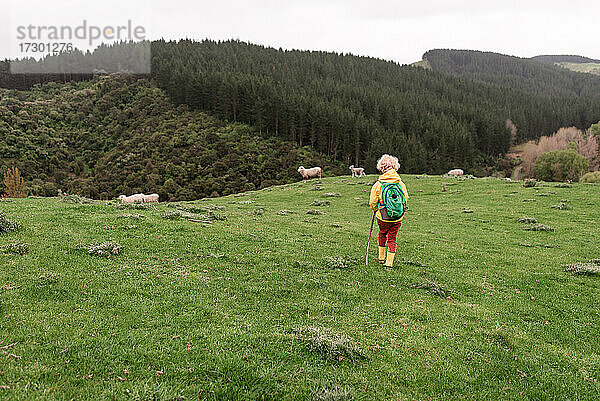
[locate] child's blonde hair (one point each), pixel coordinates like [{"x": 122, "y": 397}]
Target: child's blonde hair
[{"x": 386, "y": 162}]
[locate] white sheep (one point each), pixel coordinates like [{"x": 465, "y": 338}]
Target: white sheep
[
  {"x": 152, "y": 198},
  {"x": 310, "y": 172},
  {"x": 137, "y": 198},
  {"x": 357, "y": 171},
  {"x": 456, "y": 172}
]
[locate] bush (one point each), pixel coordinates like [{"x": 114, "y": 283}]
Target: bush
[
  {"x": 7, "y": 225},
  {"x": 561, "y": 165},
  {"x": 591, "y": 178}
]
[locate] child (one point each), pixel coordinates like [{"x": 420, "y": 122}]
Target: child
[{"x": 388, "y": 227}]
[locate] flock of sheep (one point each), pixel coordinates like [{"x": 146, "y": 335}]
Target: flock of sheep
[{"x": 307, "y": 174}]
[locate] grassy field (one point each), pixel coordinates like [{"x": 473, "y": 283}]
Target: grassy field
[
  {"x": 251, "y": 307},
  {"x": 591, "y": 68}
]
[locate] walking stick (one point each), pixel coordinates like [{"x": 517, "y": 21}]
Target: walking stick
[{"x": 369, "y": 241}]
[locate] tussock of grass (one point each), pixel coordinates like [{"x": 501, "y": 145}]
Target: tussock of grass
[
  {"x": 315, "y": 212},
  {"x": 538, "y": 227},
  {"x": 332, "y": 345},
  {"x": 105, "y": 249},
  {"x": 7, "y": 225},
  {"x": 339, "y": 262},
  {"x": 527, "y": 220},
  {"x": 529, "y": 183},
  {"x": 133, "y": 216},
  {"x": 584, "y": 269},
  {"x": 562, "y": 206},
  {"x": 413, "y": 263},
  {"x": 15, "y": 248},
  {"x": 318, "y": 202},
  {"x": 285, "y": 212},
  {"x": 433, "y": 288},
  {"x": 172, "y": 215},
  {"x": 335, "y": 393},
  {"x": 332, "y": 195},
  {"x": 47, "y": 279},
  {"x": 75, "y": 199}
]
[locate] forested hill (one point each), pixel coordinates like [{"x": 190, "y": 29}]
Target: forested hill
[
  {"x": 529, "y": 75},
  {"x": 352, "y": 109},
  {"x": 121, "y": 135},
  {"x": 355, "y": 108}
]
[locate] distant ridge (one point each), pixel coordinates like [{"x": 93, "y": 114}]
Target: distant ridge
[{"x": 565, "y": 59}]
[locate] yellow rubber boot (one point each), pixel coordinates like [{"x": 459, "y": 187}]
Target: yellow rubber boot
[
  {"x": 382, "y": 254},
  {"x": 389, "y": 262}
]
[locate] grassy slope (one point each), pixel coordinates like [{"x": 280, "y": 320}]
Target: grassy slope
[
  {"x": 591, "y": 68},
  {"x": 212, "y": 306}
]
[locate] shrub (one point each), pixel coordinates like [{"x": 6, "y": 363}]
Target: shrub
[
  {"x": 7, "y": 225},
  {"x": 105, "y": 249},
  {"x": 527, "y": 220},
  {"x": 330, "y": 344},
  {"x": 16, "y": 248},
  {"x": 591, "y": 178},
  {"x": 561, "y": 165},
  {"x": 14, "y": 186}
]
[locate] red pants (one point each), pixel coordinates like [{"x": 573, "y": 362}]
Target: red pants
[{"x": 387, "y": 233}]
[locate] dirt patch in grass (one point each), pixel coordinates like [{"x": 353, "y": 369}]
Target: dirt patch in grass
[
  {"x": 318, "y": 202},
  {"x": 527, "y": 220}
]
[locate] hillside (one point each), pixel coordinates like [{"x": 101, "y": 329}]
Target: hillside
[
  {"x": 119, "y": 134},
  {"x": 532, "y": 76},
  {"x": 251, "y": 307},
  {"x": 558, "y": 59},
  {"x": 353, "y": 109}
]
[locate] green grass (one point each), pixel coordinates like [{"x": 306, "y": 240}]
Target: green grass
[{"x": 190, "y": 310}]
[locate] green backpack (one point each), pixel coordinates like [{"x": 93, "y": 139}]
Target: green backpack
[{"x": 393, "y": 206}]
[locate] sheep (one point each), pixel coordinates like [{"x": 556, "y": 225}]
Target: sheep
[
  {"x": 137, "y": 198},
  {"x": 357, "y": 171},
  {"x": 456, "y": 172},
  {"x": 153, "y": 198},
  {"x": 310, "y": 173}
]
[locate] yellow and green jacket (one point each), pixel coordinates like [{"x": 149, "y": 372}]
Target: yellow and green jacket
[{"x": 376, "y": 199}]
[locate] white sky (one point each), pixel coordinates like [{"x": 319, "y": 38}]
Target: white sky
[{"x": 394, "y": 30}]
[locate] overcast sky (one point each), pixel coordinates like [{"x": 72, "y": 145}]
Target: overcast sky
[{"x": 394, "y": 30}]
